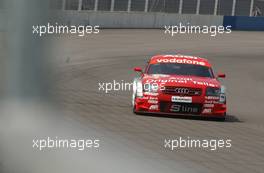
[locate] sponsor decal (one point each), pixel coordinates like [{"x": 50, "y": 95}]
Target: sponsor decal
[
  {"x": 183, "y": 109},
  {"x": 180, "y": 81},
  {"x": 154, "y": 107},
  {"x": 206, "y": 111},
  {"x": 181, "y": 56},
  {"x": 145, "y": 97},
  {"x": 171, "y": 80},
  {"x": 153, "y": 101},
  {"x": 180, "y": 99},
  {"x": 204, "y": 83},
  {"x": 211, "y": 101},
  {"x": 212, "y": 97},
  {"x": 150, "y": 98},
  {"x": 208, "y": 105},
  {"x": 151, "y": 94},
  {"x": 181, "y": 61},
  {"x": 153, "y": 98}
]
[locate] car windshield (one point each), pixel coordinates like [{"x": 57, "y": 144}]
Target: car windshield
[{"x": 180, "y": 69}]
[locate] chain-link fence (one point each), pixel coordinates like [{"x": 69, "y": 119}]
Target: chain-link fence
[{"x": 205, "y": 7}]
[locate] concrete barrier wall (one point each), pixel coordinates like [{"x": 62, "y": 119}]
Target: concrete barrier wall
[
  {"x": 146, "y": 20},
  {"x": 133, "y": 19},
  {"x": 245, "y": 23}
]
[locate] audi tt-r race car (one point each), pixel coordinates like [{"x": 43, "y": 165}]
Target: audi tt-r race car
[{"x": 179, "y": 85}]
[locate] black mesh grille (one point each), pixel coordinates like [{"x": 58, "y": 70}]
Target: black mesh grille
[{"x": 181, "y": 91}]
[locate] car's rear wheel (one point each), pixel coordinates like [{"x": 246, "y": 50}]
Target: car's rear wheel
[{"x": 223, "y": 118}]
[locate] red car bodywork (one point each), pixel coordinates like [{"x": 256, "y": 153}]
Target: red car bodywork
[{"x": 178, "y": 94}]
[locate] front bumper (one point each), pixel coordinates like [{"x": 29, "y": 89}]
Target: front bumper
[{"x": 162, "y": 104}]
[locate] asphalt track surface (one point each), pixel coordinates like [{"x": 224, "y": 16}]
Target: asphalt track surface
[{"x": 83, "y": 62}]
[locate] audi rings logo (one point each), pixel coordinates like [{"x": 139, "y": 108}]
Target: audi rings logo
[{"x": 182, "y": 90}]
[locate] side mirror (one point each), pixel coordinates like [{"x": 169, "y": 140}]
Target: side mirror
[
  {"x": 221, "y": 75},
  {"x": 138, "y": 69}
]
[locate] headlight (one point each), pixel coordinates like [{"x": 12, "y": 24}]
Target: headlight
[
  {"x": 222, "y": 94},
  {"x": 212, "y": 91},
  {"x": 222, "y": 98},
  {"x": 153, "y": 88}
]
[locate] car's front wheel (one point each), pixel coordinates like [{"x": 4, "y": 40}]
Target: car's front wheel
[{"x": 223, "y": 118}]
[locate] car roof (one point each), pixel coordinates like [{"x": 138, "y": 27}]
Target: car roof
[{"x": 178, "y": 58}]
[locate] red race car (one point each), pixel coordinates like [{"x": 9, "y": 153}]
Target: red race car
[{"x": 179, "y": 85}]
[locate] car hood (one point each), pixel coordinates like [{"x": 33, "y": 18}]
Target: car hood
[{"x": 179, "y": 80}]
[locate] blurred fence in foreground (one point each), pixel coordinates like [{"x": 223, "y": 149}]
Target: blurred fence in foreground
[{"x": 205, "y": 7}]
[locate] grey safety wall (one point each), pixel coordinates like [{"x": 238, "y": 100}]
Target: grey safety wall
[{"x": 133, "y": 19}]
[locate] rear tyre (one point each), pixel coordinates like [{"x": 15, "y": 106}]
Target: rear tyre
[{"x": 221, "y": 118}]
